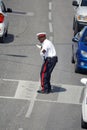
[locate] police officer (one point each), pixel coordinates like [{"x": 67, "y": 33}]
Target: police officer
[{"x": 48, "y": 52}]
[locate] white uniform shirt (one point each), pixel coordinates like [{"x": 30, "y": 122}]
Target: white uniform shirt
[{"x": 49, "y": 48}]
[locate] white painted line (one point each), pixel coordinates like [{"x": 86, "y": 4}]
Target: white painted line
[
  {"x": 51, "y": 38},
  {"x": 50, "y": 101},
  {"x": 50, "y": 16},
  {"x": 20, "y": 128},
  {"x": 28, "y": 114},
  {"x": 26, "y": 89},
  {"x": 11, "y": 80},
  {"x": 50, "y": 5},
  {"x": 30, "y": 13},
  {"x": 50, "y": 27},
  {"x": 5, "y": 97},
  {"x": 41, "y": 100}
]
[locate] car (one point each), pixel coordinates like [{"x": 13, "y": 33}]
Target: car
[
  {"x": 84, "y": 105},
  {"x": 80, "y": 16},
  {"x": 79, "y": 50},
  {"x": 4, "y": 22}
]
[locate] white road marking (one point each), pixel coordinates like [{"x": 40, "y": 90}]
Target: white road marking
[
  {"x": 16, "y": 80},
  {"x": 41, "y": 100},
  {"x": 50, "y": 16},
  {"x": 20, "y": 128},
  {"x": 28, "y": 114},
  {"x": 27, "y": 90},
  {"x": 51, "y": 38},
  {"x": 50, "y": 27},
  {"x": 50, "y": 5},
  {"x": 30, "y": 14}
]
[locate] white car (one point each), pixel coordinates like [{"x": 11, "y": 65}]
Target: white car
[
  {"x": 84, "y": 105},
  {"x": 4, "y": 22},
  {"x": 80, "y": 16}
]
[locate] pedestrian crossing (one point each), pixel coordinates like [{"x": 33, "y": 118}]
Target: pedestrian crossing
[{"x": 63, "y": 93}]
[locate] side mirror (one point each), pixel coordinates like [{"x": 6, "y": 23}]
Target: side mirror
[
  {"x": 75, "y": 3},
  {"x": 75, "y": 39},
  {"x": 84, "y": 81},
  {"x": 9, "y": 10}
]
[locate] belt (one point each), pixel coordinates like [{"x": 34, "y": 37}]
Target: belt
[{"x": 51, "y": 57}]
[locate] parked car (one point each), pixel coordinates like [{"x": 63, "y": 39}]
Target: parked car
[
  {"x": 84, "y": 105},
  {"x": 4, "y": 22},
  {"x": 79, "y": 50},
  {"x": 80, "y": 16}
]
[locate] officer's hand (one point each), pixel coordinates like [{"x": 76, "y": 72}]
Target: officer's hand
[{"x": 39, "y": 46}]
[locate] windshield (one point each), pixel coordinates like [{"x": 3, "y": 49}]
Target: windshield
[
  {"x": 84, "y": 3},
  {"x": 84, "y": 38}
]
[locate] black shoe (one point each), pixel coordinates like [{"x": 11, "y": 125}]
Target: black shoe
[{"x": 43, "y": 91}]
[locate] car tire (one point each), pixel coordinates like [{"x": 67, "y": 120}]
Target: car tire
[
  {"x": 6, "y": 34},
  {"x": 2, "y": 39},
  {"x": 73, "y": 23},
  {"x": 83, "y": 124},
  {"x": 76, "y": 28},
  {"x": 76, "y": 68},
  {"x": 73, "y": 61}
]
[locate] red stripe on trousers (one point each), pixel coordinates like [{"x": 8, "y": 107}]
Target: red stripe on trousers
[{"x": 42, "y": 76}]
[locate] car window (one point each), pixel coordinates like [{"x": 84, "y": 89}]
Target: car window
[
  {"x": 84, "y": 3},
  {"x": 3, "y": 8}
]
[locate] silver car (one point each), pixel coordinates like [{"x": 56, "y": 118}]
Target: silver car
[
  {"x": 80, "y": 16},
  {"x": 4, "y": 22}
]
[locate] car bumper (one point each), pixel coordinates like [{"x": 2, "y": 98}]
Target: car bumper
[
  {"x": 84, "y": 111},
  {"x": 2, "y": 29},
  {"x": 82, "y": 63},
  {"x": 81, "y": 24}
]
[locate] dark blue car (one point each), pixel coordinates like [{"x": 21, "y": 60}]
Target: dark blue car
[{"x": 79, "y": 50}]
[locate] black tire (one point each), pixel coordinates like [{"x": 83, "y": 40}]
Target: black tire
[
  {"x": 76, "y": 68},
  {"x": 2, "y": 39},
  {"x": 73, "y": 61},
  {"x": 76, "y": 29},
  {"x": 73, "y": 23},
  {"x": 6, "y": 34},
  {"x": 83, "y": 124}
]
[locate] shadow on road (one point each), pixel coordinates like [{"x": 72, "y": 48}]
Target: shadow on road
[
  {"x": 57, "y": 89},
  {"x": 8, "y": 39}
]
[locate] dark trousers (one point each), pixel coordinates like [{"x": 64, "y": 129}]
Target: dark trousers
[{"x": 46, "y": 70}]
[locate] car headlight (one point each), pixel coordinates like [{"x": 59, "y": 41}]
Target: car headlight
[
  {"x": 84, "y": 53},
  {"x": 82, "y": 18}
]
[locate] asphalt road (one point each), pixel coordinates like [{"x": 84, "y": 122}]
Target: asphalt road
[{"x": 21, "y": 107}]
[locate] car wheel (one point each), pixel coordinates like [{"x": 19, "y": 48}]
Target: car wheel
[
  {"x": 73, "y": 23},
  {"x": 76, "y": 68},
  {"x": 73, "y": 61},
  {"x": 2, "y": 39},
  {"x": 76, "y": 29},
  {"x": 83, "y": 124},
  {"x": 6, "y": 34}
]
